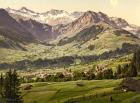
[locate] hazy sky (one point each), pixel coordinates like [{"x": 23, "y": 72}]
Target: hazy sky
[{"x": 127, "y": 9}]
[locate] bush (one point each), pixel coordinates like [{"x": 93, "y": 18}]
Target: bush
[
  {"x": 91, "y": 47},
  {"x": 78, "y": 75}
]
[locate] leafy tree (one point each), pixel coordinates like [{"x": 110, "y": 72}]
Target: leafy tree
[
  {"x": 90, "y": 75},
  {"x": 108, "y": 74},
  {"x": 77, "y": 75},
  {"x": 99, "y": 76},
  {"x": 59, "y": 77},
  {"x": 50, "y": 78}
]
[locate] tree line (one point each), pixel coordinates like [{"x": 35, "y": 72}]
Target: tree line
[
  {"x": 131, "y": 69},
  {"x": 76, "y": 75},
  {"x": 10, "y": 82},
  {"x": 122, "y": 71}
]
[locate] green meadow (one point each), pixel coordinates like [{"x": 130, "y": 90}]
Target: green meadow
[{"x": 99, "y": 91}]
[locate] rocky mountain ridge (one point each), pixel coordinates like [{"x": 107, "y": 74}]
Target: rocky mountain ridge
[{"x": 51, "y": 17}]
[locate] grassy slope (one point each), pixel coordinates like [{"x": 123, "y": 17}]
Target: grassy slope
[
  {"x": 108, "y": 41},
  {"x": 129, "y": 97},
  {"x": 105, "y": 43},
  {"x": 111, "y": 63},
  {"x": 60, "y": 92}
]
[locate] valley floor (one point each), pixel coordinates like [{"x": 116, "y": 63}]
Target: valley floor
[{"x": 94, "y": 91}]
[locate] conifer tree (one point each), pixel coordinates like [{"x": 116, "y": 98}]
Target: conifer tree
[
  {"x": 133, "y": 70},
  {"x": 1, "y": 88},
  {"x": 118, "y": 72},
  {"x": 136, "y": 59},
  {"x": 11, "y": 88}
]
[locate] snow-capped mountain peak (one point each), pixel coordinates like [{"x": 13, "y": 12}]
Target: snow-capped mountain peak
[
  {"x": 25, "y": 10},
  {"x": 55, "y": 12},
  {"x": 55, "y": 17},
  {"x": 120, "y": 22},
  {"x": 51, "y": 17}
]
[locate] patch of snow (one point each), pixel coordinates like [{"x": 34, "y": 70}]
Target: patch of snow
[
  {"x": 128, "y": 28},
  {"x": 47, "y": 17}
]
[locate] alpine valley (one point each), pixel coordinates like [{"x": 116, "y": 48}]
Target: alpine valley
[
  {"x": 68, "y": 57},
  {"x": 59, "y": 38}
]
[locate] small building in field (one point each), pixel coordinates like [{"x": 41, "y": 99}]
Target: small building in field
[{"x": 130, "y": 84}]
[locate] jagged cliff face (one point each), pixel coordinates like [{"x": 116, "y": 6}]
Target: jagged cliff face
[
  {"x": 8, "y": 24},
  {"x": 92, "y": 18},
  {"x": 42, "y": 32},
  {"x": 86, "y": 20}
]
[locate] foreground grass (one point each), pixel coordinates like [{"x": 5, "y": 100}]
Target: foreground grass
[
  {"x": 128, "y": 97},
  {"x": 62, "y": 91}
]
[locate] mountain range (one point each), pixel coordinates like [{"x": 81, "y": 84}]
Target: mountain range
[
  {"x": 62, "y": 22},
  {"x": 52, "y": 17},
  {"x": 58, "y": 33}
]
